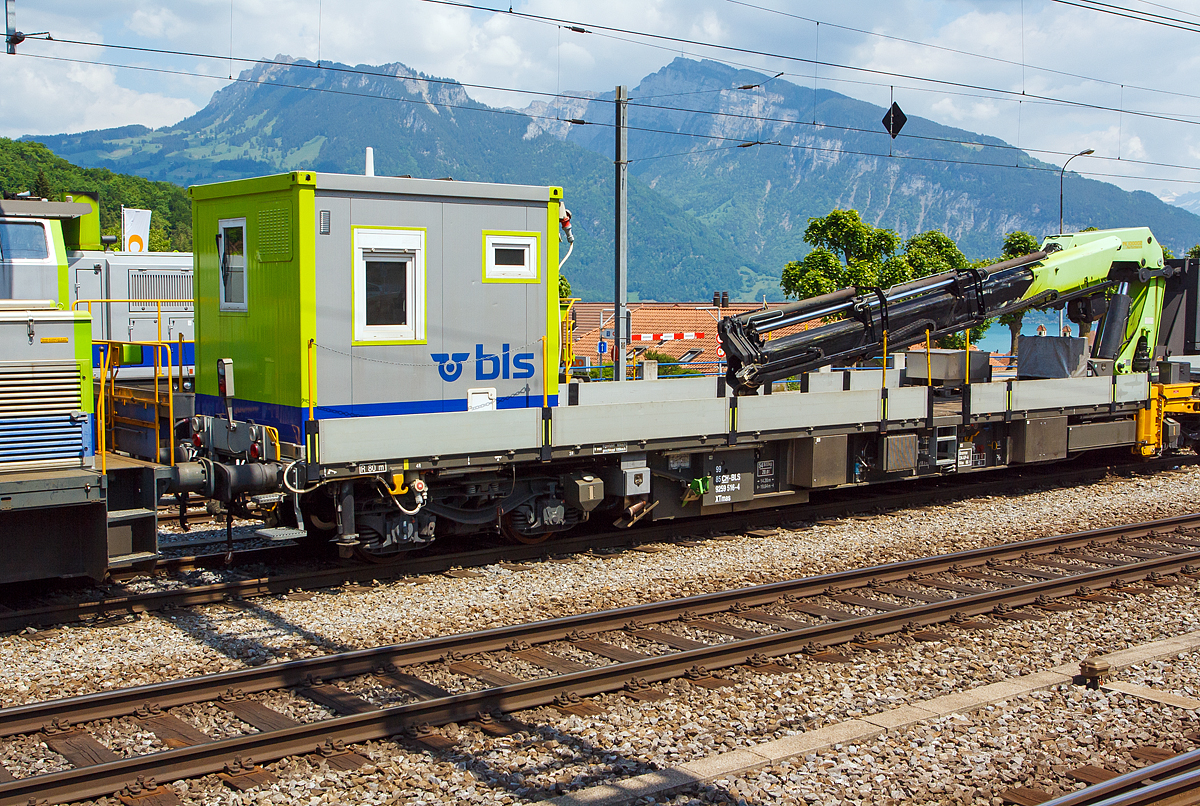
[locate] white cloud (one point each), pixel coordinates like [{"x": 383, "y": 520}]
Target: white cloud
[
  {"x": 54, "y": 98},
  {"x": 507, "y": 50},
  {"x": 959, "y": 112},
  {"x": 157, "y": 22}
]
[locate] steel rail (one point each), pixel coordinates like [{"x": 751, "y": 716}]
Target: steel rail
[
  {"x": 120, "y": 702},
  {"x": 1152, "y": 784},
  {"x": 192, "y": 596},
  {"x": 102, "y": 779}
]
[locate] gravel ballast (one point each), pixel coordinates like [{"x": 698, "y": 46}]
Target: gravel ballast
[
  {"x": 561, "y": 753},
  {"x": 1031, "y": 741}
]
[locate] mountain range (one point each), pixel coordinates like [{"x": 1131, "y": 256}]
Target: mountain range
[{"x": 726, "y": 165}]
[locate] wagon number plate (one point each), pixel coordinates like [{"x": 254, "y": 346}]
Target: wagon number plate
[{"x": 378, "y": 467}]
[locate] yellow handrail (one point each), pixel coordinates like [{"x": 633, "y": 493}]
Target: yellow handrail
[
  {"x": 101, "y": 426},
  {"x": 311, "y": 371},
  {"x": 967, "y": 371},
  {"x": 884, "y": 386},
  {"x": 110, "y": 363},
  {"x": 928, "y": 361}
]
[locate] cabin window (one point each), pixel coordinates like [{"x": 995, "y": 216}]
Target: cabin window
[
  {"x": 23, "y": 240},
  {"x": 510, "y": 257},
  {"x": 389, "y": 285},
  {"x": 387, "y": 289},
  {"x": 231, "y": 251}
]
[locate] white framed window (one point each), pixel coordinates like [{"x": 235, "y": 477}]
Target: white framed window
[
  {"x": 231, "y": 254},
  {"x": 389, "y": 285},
  {"x": 510, "y": 257}
]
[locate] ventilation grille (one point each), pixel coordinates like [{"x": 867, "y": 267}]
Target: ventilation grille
[
  {"x": 40, "y": 424},
  {"x": 33, "y": 441},
  {"x": 50, "y": 387},
  {"x": 901, "y": 452},
  {"x": 274, "y": 235},
  {"x": 326, "y": 220},
  {"x": 164, "y": 285}
]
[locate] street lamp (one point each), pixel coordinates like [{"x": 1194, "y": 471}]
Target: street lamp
[{"x": 1062, "y": 173}]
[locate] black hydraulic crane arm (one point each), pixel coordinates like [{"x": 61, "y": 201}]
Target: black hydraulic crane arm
[{"x": 942, "y": 304}]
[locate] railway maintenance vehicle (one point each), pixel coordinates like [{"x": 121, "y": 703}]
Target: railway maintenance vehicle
[{"x": 378, "y": 364}]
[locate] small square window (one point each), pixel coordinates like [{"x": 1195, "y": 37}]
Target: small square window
[
  {"x": 231, "y": 252},
  {"x": 510, "y": 257}
]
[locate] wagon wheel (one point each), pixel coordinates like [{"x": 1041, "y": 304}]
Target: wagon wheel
[
  {"x": 363, "y": 552},
  {"x": 510, "y": 532}
]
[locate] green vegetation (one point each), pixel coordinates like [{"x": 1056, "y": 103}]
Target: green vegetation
[
  {"x": 1016, "y": 244},
  {"x": 668, "y": 365},
  {"x": 29, "y": 166},
  {"x": 871, "y": 261}
]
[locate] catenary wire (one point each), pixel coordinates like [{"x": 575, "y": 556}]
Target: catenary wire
[
  {"x": 353, "y": 71},
  {"x": 485, "y": 109},
  {"x": 637, "y": 102},
  {"x": 578, "y": 27},
  {"x": 1140, "y": 16},
  {"x": 957, "y": 51},
  {"x": 1022, "y": 95}
]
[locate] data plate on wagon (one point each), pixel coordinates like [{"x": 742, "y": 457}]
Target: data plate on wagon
[{"x": 732, "y": 474}]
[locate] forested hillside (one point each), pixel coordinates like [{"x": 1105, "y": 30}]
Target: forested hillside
[{"x": 28, "y": 166}]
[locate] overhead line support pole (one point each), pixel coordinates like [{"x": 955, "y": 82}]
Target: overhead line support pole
[
  {"x": 621, "y": 328},
  {"x": 12, "y": 37}
]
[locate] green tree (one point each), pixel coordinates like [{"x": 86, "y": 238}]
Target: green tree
[
  {"x": 159, "y": 240},
  {"x": 41, "y": 186},
  {"x": 820, "y": 272},
  {"x": 668, "y": 365},
  {"x": 26, "y": 165},
  {"x": 1193, "y": 253},
  {"x": 932, "y": 253},
  {"x": 847, "y": 252},
  {"x": 844, "y": 232},
  {"x": 871, "y": 261},
  {"x": 564, "y": 287},
  {"x": 1016, "y": 244}
]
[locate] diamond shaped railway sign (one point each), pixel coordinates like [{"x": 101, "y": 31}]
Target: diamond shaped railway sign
[{"x": 894, "y": 120}]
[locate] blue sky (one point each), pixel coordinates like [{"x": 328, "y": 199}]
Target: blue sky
[{"x": 1005, "y": 47}]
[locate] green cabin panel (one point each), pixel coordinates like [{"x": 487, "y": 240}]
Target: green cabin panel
[{"x": 267, "y": 340}]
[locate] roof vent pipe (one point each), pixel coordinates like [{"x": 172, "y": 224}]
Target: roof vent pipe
[{"x": 370, "y": 162}]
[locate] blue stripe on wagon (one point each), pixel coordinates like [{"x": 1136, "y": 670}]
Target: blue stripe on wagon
[
  {"x": 290, "y": 419},
  {"x": 189, "y": 356}
]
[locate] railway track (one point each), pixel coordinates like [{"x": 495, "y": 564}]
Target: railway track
[
  {"x": 121, "y": 603},
  {"x": 1174, "y": 781},
  {"x": 851, "y": 610}
]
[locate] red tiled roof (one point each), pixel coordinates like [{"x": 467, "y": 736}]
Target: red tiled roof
[{"x": 663, "y": 317}]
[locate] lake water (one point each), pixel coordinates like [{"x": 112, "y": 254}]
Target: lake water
[{"x": 997, "y": 339}]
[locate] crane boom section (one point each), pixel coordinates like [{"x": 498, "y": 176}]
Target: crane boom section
[{"x": 850, "y": 324}]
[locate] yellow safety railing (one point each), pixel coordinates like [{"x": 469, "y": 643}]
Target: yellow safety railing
[
  {"x": 101, "y": 427},
  {"x": 106, "y": 415},
  {"x": 157, "y": 303}
]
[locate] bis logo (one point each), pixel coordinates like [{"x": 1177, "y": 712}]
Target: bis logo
[{"x": 488, "y": 366}]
